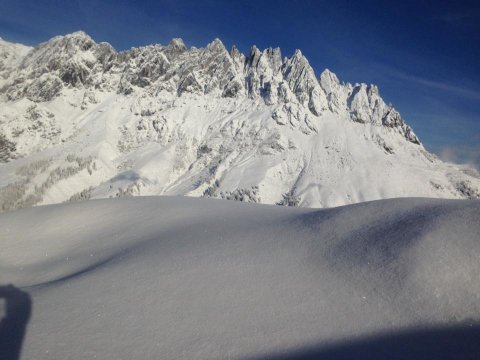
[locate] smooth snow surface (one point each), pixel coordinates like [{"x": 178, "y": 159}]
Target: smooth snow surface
[{"x": 185, "y": 278}]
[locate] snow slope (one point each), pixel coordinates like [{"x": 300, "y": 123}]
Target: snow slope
[
  {"x": 11, "y": 55},
  {"x": 184, "y": 278},
  {"x": 80, "y": 120}
]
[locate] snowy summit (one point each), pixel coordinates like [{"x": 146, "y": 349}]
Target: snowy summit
[{"x": 80, "y": 120}]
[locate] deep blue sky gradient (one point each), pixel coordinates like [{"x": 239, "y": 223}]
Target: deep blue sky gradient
[{"x": 423, "y": 55}]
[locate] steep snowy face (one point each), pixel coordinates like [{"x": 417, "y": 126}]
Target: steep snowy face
[
  {"x": 74, "y": 60},
  {"x": 80, "y": 120},
  {"x": 178, "y": 71},
  {"x": 10, "y": 55},
  {"x": 301, "y": 80}
]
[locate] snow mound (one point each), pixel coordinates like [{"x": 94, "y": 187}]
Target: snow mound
[{"x": 184, "y": 278}]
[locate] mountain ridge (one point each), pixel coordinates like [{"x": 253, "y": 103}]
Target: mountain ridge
[
  {"x": 296, "y": 71},
  {"x": 203, "y": 122}
]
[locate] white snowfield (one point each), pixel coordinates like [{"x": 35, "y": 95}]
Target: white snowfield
[
  {"x": 185, "y": 278},
  {"x": 80, "y": 120}
]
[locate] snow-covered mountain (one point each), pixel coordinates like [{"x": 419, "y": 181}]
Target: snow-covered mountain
[{"x": 80, "y": 120}]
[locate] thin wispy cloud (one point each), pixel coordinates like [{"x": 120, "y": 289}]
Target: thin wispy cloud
[
  {"x": 460, "y": 17},
  {"x": 468, "y": 154},
  {"x": 454, "y": 18},
  {"x": 445, "y": 87},
  {"x": 438, "y": 85}
]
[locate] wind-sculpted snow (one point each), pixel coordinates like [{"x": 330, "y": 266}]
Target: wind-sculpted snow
[
  {"x": 147, "y": 116},
  {"x": 175, "y": 277}
]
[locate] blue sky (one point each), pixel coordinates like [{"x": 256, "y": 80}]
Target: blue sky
[{"x": 423, "y": 55}]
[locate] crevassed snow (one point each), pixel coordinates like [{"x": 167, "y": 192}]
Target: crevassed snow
[{"x": 183, "y": 278}]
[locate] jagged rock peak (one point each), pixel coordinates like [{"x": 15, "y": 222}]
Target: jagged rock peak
[
  {"x": 65, "y": 46},
  {"x": 329, "y": 75},
  {"x": 217, "y": 46},
  {"x": 298, "y": 53},
  {"x": 237, "y": 56},
  {"x": 216, "y": 42},
  {"x": 254, "y": 56},
  {"x": 76, "y": 61},
  {"x": 68, "y": 40},
  {"x": 79, "y": 34},
  {"x": 177, "y": 44},
  {"x": 234, "y": 51}
]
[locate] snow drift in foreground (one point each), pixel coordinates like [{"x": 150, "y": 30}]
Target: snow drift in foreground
[{"x": 185, "y": 278}]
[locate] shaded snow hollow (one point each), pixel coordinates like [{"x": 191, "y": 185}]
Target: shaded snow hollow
[{"x": 185, "y": 278}]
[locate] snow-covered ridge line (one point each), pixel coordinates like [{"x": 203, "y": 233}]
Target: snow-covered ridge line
[
  {"x": 76, "y": 60},
  {"x": 79, "y": 120}
]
